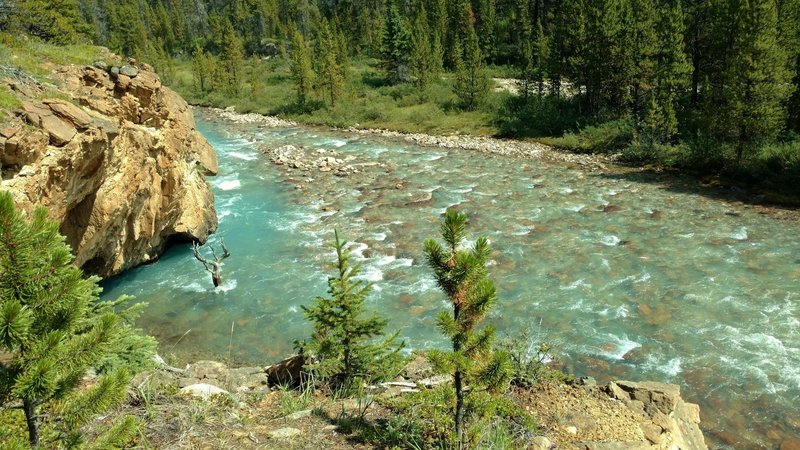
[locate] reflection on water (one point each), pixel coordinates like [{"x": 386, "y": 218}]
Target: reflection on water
[{"x": 630, "y": 280}]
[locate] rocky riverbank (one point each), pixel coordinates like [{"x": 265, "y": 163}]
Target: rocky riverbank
[
  {"x": 579, "y": 415},
  {"x": 481, "y": 144}
]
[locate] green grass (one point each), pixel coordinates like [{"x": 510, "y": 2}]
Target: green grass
[
  {"x": 34, "y": 56},
  {"x": 366, "y": 102},
  {"x": 8, "y": 101}
]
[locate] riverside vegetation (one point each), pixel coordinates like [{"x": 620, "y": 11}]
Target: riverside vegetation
[{"x": 708, "y": 87}]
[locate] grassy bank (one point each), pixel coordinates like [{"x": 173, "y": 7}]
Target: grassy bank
[{"x": 367, "y": 101}]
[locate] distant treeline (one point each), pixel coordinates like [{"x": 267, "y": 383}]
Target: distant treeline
[{"x": 719, "y": 76}]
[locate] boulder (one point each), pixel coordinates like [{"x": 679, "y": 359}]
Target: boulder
[
  {"x": 203, "y": 390},
  {"x": 70, "y": 112},
  {"x": 287, "y": 371},
  {"x": 207, "y": 369},
  {"x": 59, "y": 131},
  {"x": 129, "y": 183},
  {"x": 128, "y": 70}
]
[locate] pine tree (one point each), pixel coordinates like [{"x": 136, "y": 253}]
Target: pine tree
[
  {"x": 58, "y": 21},
  {"x": 461, "y": 274},
  {"x": 423, "y": 61},
  {"x": 232, "y": 55},
  {"x": 202, "y": 69},
  {"x": 53, "y": 328},
  {"x": 471, "y": 80},
  {"x": 645, "y": 46},
  {"x": 302, "y": 74},
  {"x": 670, "y": 76},
  {"x": 758, "y": 79},
  {"x": 395, "y": 47},
  {"x": 342, "y": 346},
  {"x": 789, "y": 38},
  {"x": 330, "y": 71}
]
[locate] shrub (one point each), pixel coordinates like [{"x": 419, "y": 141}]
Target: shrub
[{"x": 608, "y": 137}]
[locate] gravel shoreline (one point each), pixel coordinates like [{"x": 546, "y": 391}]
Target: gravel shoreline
[
  {"x": 738, "y": 198},
  {"x": 482, "y": 144}
]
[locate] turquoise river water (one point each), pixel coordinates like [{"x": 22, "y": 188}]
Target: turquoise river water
[{"x": 627, "y": 279}]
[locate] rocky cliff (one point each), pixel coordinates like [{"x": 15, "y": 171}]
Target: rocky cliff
[{"x": 115, "y": 157}]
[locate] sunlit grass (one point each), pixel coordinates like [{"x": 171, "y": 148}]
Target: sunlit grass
[
  {"x": 36, "y": 58},
  {"x": 367, "y": 101}
]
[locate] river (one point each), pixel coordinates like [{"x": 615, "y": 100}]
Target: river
[{"x": 626, "y": 278}]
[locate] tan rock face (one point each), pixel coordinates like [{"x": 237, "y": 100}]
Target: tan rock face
[{"x": 123, "y": 172}]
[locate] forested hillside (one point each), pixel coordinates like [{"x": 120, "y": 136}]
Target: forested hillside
[{"x": 707, "y": 85}]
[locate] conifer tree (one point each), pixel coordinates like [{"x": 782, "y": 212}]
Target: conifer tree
[
  {"x": 52, "y": 329},
  {"x": 302, "y": 74},
  {"x": 423, "y": 62},
  {"x": 58, "y": 21},
  {"x": 343, "y": 345},
  {"x": 330, "y": 70},
  {"x": 758, "y": 79},
  {"x": 461, "y": 274},
  {"x": 534, "y": 59},
  {"x": 232, "y": 55},
  {"x": 645, "y": 47},
  {"x": 471, "y": 80},
  {"x": 395, "y": 47},
  {"x": 670, "y": 76}
]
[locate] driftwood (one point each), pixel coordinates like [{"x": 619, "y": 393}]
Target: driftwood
[{"x": 213, "y": 267}]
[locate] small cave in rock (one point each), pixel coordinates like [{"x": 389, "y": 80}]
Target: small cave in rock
[{"x": 96, "y": 265}]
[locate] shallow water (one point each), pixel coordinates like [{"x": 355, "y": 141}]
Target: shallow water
[{"x": 627, "y": 279}]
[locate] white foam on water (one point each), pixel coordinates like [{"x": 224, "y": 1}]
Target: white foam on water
[
  {"x": 575, "y": 208},
  {"x": 521, "y": 231},
  {"x": 430, "y": 188},
  {"x": 422, "y": 285},
  {"x": 765, "y": 341},
  {"x": 357, "y": 250},
  {"x": 622, "y": 345},
  {"x": 404, "y": 262},
  {"x": 672, "y": 367},
  {"x": 686, "y": 236},
  {"x": 380, "y": 236},
  {"x": 370, "y": 273},
  {"x": 435, "y": 156},
  {"x": 566, "y": 191},
  {"x": 384, "y": 260},
  {"x": 463, "y": 190},
  {"x": 229, "y": 185},
  {"x": 610, "y": 240},
  {"x": 621, "y": 312},
  {"x": 575, "y": 285},
  {"x": 378, "y": 150},
  {"x": 739, "y": 235},
  {"x": 243, "y": 156},
  {"x": 227, "y": 285},
  {"x": 223, "y": 214}
]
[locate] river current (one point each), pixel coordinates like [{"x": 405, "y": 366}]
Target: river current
[{"x": 625, "y": 278}]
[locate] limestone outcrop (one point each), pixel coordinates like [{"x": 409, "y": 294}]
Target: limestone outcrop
[{"x": 115, "y": 158}]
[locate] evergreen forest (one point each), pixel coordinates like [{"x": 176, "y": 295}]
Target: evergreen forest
[{"x": 707, "y": 86}]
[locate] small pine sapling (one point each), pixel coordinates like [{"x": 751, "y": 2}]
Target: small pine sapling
[
  {"x": 343, "y": 346},
  {"x": 461, "y": 274}
]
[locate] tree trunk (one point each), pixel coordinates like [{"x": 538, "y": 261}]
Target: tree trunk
[
  {"x": 217, "y": 278},
  {"x": 459, "y": 408},
  {"x": 33, "y": 425}
]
